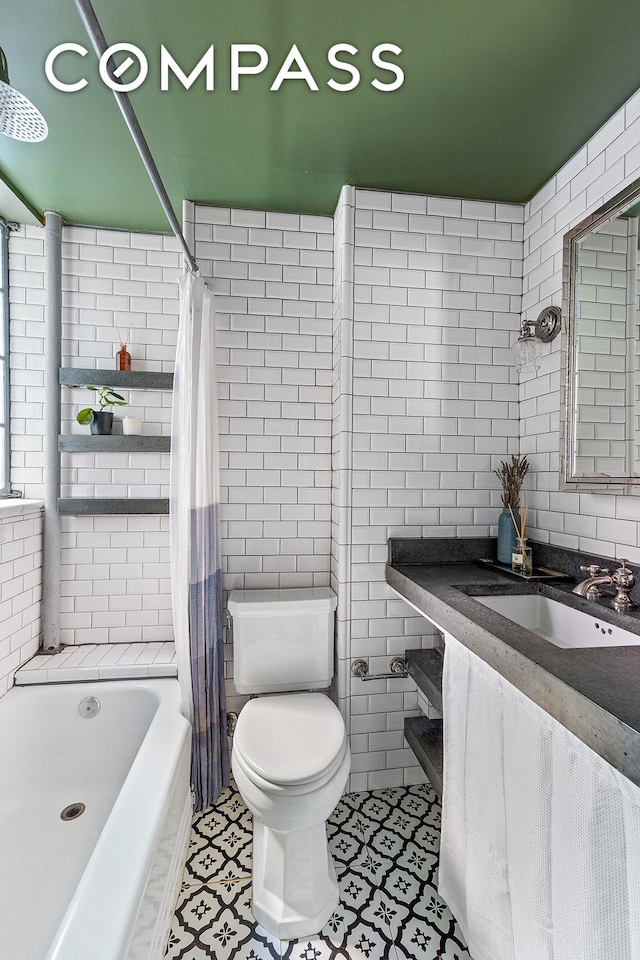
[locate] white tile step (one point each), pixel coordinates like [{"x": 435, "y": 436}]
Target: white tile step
[{"x": 100, "y": 661}]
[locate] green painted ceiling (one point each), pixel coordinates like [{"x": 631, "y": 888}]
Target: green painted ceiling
[{"x": 497, "y": 95}]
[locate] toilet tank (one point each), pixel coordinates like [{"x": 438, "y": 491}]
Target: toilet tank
[{"x": 282, "y": 639}]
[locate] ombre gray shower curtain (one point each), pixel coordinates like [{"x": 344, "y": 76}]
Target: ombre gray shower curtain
[{"x": 196, "y": 575}]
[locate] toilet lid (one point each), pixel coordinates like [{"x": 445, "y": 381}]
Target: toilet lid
[{"x": 290, "y": 738}]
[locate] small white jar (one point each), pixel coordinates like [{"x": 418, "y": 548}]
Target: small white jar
[{"x": 131, "y": 426}]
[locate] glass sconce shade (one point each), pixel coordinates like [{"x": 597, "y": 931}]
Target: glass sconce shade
[
  {"x": 534, "y": 332},
  {"x": 526, "y": 351}
]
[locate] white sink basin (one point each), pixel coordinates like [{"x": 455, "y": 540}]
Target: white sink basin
[{"x": 559, "y": 623}]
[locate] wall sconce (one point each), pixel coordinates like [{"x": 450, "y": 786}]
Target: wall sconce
[{"x": 534, "y": 332}]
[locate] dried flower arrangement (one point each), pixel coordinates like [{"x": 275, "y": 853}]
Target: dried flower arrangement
[{"x": 511, "y": 476}]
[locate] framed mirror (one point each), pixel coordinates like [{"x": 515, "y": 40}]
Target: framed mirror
[{"x": 601, "y": 349}]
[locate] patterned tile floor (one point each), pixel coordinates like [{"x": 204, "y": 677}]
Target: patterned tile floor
[{"x": 385, "y": 846}]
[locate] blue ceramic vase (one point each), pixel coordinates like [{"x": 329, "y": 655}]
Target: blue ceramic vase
[{"x": 507, "y": 539}]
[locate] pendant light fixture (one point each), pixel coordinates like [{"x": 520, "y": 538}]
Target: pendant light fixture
[{"x": 19, "y": 119}]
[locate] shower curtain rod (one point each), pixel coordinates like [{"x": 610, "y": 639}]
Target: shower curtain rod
[{"x": 94, "y": 30}]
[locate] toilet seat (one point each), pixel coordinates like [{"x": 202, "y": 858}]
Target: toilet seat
[{"x": 289, "y": 740}]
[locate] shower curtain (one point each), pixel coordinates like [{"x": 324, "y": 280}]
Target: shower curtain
[
  {"x": 195, "y": 541},
  {"x": 540, "y": 835}
]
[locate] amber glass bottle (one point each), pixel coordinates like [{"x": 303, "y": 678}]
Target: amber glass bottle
[{"x": 123, "y": 358}]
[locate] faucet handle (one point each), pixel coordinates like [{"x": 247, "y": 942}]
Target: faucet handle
[
  {"x": 594, "y": 570},
  {"x": 623, "y": 580},
  {"x": 624, "y": 575}
]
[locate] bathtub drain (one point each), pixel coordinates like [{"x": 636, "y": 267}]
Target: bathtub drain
[
  {"x": 89, "y": 707},
  {"x": 72, "y": 811}
]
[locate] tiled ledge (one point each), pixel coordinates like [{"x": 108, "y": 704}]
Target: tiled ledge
[
  {"x": 11, "y": 507},
  {"x": 100, "y": 661}
]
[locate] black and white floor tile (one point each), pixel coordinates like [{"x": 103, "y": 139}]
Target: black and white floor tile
[{"x": 385, "y": 848}]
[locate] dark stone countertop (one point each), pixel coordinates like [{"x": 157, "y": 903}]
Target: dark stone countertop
[{"x": 593, "y": 691}]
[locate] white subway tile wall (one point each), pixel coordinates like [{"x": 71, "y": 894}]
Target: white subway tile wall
[
  {"x": 424, "y": 336},
  {"x": 20, "y": 586},
  {"x": 606, "y": 524},
  {"x": 115, "y": 570},
  {"x": 272, "y": 275}
]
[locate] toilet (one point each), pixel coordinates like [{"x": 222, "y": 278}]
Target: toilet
[{"x": 290, "y": 754}]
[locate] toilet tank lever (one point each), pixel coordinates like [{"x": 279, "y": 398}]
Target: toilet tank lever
[{"x": 397, "y": 668}]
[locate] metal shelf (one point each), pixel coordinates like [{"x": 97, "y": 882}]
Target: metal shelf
[
  {"x": 96, "y": 506},
  {"x": 127, "y": 379},
  {"x": 69, "y": 443},
  {"x": 90, "y": 443}
]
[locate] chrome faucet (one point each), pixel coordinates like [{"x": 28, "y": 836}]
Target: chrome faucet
[
  {"x": 589, "y": 588},
  {"x": 622, "y": 579}
]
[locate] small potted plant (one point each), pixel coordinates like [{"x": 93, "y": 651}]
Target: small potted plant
[{"x": 101, "y": 421}]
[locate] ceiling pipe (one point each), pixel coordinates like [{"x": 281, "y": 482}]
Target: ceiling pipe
[{"x": 100, "y": 45}]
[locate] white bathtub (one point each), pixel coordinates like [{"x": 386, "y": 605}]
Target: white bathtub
[{"x": 102, "y": 886}]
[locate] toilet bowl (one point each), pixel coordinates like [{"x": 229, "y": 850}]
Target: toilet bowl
[
  {"x": 291, "y": 762},
  {"x": 290, "y": 754}
]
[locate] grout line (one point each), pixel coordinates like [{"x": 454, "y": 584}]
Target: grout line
[
  {"x": 226, "y": 883},
  {"x": 215, "y": 883}
]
